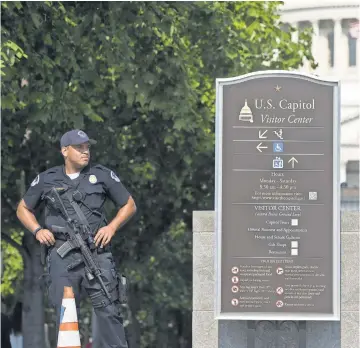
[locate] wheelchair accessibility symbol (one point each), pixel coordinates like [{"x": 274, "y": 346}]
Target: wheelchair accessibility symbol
[{"x": 278, "y": 147}]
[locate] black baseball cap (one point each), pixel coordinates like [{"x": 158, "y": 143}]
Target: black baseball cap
[{"x": 75, "y": 137}]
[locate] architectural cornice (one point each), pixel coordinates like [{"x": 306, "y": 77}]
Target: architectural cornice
[
  {"x": 319, "y": 8},
  {"x": 311, "y": 4}
]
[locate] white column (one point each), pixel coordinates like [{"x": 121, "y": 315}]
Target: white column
[
  {"x": 316, "y": 42},
  {"x": 341, "y": 49},
  {"x": 295, "y": 35},
  {"x": 323, "y": 52}
]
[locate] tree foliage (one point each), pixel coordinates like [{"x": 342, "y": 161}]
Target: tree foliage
[
  {"x": 139, "y": 77},
  {"x": 12, "y": 267}
]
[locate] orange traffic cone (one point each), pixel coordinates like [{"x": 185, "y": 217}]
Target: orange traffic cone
[{"x": 69, "y": 335}]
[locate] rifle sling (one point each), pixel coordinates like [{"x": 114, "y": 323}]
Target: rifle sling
[
  {"x": 78, "y": 210},
  {"x": 81, "y": 216}
]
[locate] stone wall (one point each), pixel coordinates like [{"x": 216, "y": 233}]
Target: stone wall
[{"x": 210, "y": 333}]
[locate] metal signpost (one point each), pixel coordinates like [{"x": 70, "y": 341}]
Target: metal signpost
[{"x": 277, "y": 197}]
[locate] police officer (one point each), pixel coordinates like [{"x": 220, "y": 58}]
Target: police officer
[{"x": 87, "y": 187}]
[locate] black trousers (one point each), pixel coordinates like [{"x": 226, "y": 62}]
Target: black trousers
[{"x": 108, "y": 315}]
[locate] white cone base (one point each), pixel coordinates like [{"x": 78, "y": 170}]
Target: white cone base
[{"x": 69, "y": 339}]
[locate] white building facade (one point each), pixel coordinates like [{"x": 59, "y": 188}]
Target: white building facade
[{"x": 336, "y": 49}]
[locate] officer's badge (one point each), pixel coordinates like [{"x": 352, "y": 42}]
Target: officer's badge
[
  {"x": 35, "y": 181},
  {"x": 113, "y": 176},
  {"x": 93, "y": 179}
]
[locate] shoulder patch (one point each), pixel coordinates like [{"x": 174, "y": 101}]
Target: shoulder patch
[
  {"x": 35, "y": 181},
  {"x": 113, "y": 176},
  {"x": 107, "y": 170}
]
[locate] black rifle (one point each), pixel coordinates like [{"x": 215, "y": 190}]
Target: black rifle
[{"x": 76, "y": 232}]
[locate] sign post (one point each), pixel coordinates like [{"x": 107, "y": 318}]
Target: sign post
[{"x": 277, "y": 197}]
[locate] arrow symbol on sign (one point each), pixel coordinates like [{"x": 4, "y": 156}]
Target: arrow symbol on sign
[
  {"x": 259, "y": 147},
  {"x": 292, "y": 160},
  {"x": 261, "y": 135}
]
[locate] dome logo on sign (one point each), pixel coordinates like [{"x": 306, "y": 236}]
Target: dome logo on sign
[{"x": 246, "y": 113}]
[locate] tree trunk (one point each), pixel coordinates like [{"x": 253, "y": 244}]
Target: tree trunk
[
  {"x": 162, "y": 329},
  {"x": 33, "y": 304}
]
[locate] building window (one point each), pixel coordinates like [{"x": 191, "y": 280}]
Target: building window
[
  {"x": 304, "y": 25},
  {"x": 352, "y": 50},
  {"x": 285, "y": 27},
  {"x": 326, "y": 30},
  {"x": 353, "y": 35}
]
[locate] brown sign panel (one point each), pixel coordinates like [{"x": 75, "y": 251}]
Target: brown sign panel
[{"x": 277, "y": 197}]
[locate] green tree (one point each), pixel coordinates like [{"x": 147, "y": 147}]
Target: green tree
[
  {"x": 138, "y": 76},
  {"x": 12, "y": 269}
]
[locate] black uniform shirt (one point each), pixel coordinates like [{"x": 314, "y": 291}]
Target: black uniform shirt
[{"x": 95, "y": 183}]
